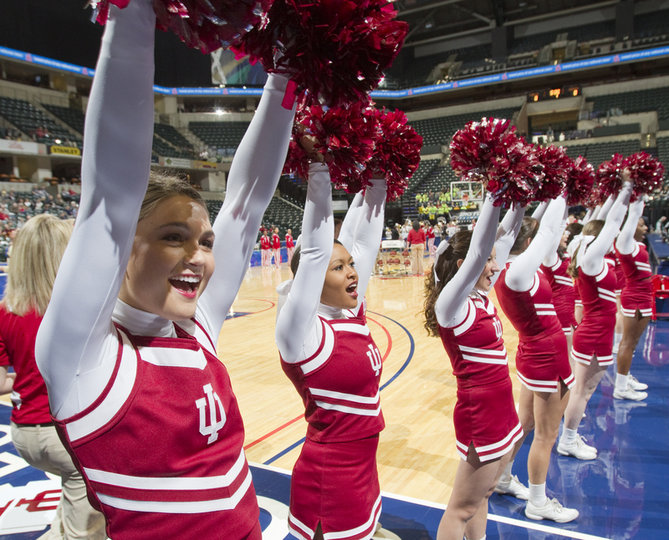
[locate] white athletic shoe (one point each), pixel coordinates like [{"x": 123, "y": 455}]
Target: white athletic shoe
[
  {"x": 552, "y": 510},
  {"x": 515, "y": 488},
  {"x": 578, "y": 449},
  {"x": 629, "y": 393},
  {"x": 634, "y": 384}
]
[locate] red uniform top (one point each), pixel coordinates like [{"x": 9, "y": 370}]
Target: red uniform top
[
  {"x": 17, "y": 349},
  {"x": 276, "y": 241},
  {"x": 532, "y": 312},
  {"x": 339, "y": 384},
  {"x": 636, "y": 269},
  {"x": 289, "y": 241},
  {"x": 416, "y": 237},
  {"x": 175, "y": 394},
  {"x": 475, "y": 346},
  {"x": 264, "y": 242},
  {"x": 429, "y": 233},
  {"x": 564, "y": 293},
  {"x": 611, "y": 259}
]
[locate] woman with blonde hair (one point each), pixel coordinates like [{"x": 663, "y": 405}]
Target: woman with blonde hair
[{"x": 36, "y": 254}]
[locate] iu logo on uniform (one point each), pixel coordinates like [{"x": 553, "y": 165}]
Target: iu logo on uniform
[
  {"x": 374, "y": 358},
  {"x": 498, "y": 328},
  {"x": 214, "y": 403}
]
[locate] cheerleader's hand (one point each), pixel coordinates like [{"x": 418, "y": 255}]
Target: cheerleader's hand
[{"x": 626, "y": 176}]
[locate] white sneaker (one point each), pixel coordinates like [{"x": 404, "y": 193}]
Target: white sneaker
[
  {"x": 634, "y": 384},
  {"x": 515, "y": 488},
  {"x": 578, "y": 449},
  {"x": 552, "y": 510},
  {"x": 629, "y": 393}
]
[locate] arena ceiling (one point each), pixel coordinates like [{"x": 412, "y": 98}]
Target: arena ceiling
[{"x": 434, "y": 20}]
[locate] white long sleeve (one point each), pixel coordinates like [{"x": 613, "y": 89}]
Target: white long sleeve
[
  {"x": 451, "y": 305},
  {"x": 115, "y": 171},
  {"x": 506, "y": 235},
  {"x": 252, "y": 180},
  {"x": 297, "y": 326},
  {"x": 520, "y": 274},
  {"x": 605, "y": 208},
  {"x": 350, "y": 223},
  {"x": 368, "y": 233},
  {"x": 591, "y": 256},
  {"x": 625, "y": 242}
]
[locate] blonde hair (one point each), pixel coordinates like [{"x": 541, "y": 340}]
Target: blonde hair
[
  {"x": 163, "y": 186},
  {"x": 591, "y": 228},
  {"x": 36, "y": 253}
]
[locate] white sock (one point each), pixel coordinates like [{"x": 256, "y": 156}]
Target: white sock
[
  {"x": 568, "y": 435},
  {"x": 621, "y": 381},
  {"x": 538, "y": 494},
  {"x": 506, "y": 474}
]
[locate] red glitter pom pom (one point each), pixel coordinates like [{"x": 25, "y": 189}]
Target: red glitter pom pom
[
  {"x": 335, "y": 49},
  {"x": 396, "y": 153},
  {"x": 609, "y": 176},
  {"x": 580, "y": 182},
  {"x": 489, "y": 151},
  {"x": 556, "y": 166},
  {"x": 344, "y": 135},
  {"x": 201, "y": 24},
  {"x": 646, "y": 172}
]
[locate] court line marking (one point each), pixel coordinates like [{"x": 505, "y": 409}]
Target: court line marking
[{"x": 494, "y": 517}]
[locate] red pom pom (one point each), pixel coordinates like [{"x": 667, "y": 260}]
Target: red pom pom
[
  {"x": 609, "y": 176},
  {"x": 336, "y": 49},
  {"x": 489, "y": 151},
  {"x": 397, "y": 151},
  {"x": 344, "y": 135},
  {"x": 201, "y": 24},
  {"x": 646, "y": 172},
  {"x": 556, "y": 165},
  {"x": 580, "y": 182}
]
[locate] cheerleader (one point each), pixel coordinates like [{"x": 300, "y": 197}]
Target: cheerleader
[
  {"x": 276, "y": 247},
  {"x": 542, "y": 359},
  {"x": 329, "y": 355},
  {"x": 636, "y": 299},
  {"x": 458, "y": 310},
  {"x": 593, "y": 338},
  {"x": 127, "y": 345},
  {"x": 265, "y": 249},
  {"x": 290, "y": 245}
]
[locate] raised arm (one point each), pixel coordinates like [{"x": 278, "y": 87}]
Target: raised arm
[
  {"x": 520, "y": 275},
  {"x": 297, "y": 326},
  {"x": 115, "y": 171},
  {"x": 451, "y": 305},
  {"x": 351, "y": 220},
  {"x": 553, "y": 258},
  {"x": 625, "y": 242},
  {"x": 252, "y": 180},
  {"x": 593, "y": 256},
  {"x": 540, "y": 210},
  {"x": 605, "y": 208},
  {"x": 506, "y": 235},
  {"x": 368, "y": 233}
]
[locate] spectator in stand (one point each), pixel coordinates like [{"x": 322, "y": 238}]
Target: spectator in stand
[
  {"x": 661, "y": 225},
  {"x": 416, "y": 242}
]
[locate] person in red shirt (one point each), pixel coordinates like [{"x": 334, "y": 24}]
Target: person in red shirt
[
  {"x": 290, "y": 245},
  {"x": 429, "y": 234},
  {"x": 36, "y": 254},
  {"x": 416, "y": 241},
  {"x": 276, "y": 247},
  {"x": 265, "y": 253}
]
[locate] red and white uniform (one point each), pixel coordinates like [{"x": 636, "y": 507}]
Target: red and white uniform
[
  {"x": 289, "y": 241},
  {"x": 485, "y": 413},
  {"x": 564, "y": 293},
  {"x": 276, "y": 241},
  {"x": 330, "y": 357},
  {"x": 542, "y": 359},
  {"x": 594, "y": 336},
  {"x": 204, "y": 483},
  {"x": 339, "y": 409},
  {"x": 611, "y": 259},
  {"x": 265, "y": 254},
  {"x": 17, "y": 348},
  {"x": 637, "y": 293}
]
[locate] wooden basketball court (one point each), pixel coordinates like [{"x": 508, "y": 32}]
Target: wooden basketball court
[{"x": 417, "y": 455}]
